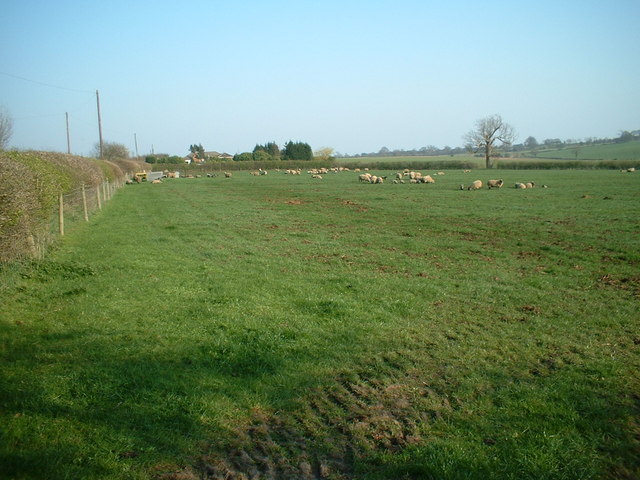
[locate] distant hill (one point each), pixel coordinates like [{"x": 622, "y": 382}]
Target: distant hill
[{"x": 604, "y": 151}]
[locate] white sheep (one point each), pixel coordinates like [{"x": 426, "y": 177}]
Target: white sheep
[{"x": 475, "y": 185}]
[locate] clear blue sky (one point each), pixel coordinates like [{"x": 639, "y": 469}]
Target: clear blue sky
[{"x": 352, "y": 75}]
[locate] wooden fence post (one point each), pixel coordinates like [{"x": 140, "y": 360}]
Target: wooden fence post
[
  {"x": 98, "y": 196},
  {"x": 61, "y": 214},
  {"x": 84, "y": 204}
]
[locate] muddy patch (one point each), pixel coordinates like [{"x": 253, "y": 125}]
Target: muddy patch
[{"x": 333, "y": 426}]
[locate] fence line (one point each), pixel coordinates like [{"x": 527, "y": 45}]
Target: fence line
[{"x": 73, "y": 207}]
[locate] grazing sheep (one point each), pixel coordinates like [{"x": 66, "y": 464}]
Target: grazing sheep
[
  {"x": 494, "y": 184},
  {"x": 475, "y": 185},
  {"x": 428, "y": 179},
  {"x": 631, "y": 170},
  {"x": 255, "y": 174},
  {"x": 520, "y": 185},
  {"x": 364, "y": 177},
  {"x": 227, "y": 174},
  {"x": 530, "y": 184},
  {"x": 399, "y": 176},
  {"x": 466, "y": 171},
  {"x": 315, "y": 175},
  {"x": 156, "y": 181},
  {"x": 380, "y": 180}
]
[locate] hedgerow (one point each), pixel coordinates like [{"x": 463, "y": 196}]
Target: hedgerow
[{"x": 29, "y": 191}]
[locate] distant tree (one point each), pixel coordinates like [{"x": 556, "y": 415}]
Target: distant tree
[
  {"x": 297, "y": 151},
  {"x": 6, "y": 128},
  {"x": 384, "y": 151},
  {"x": 553, "y": 142},
  {"x": 270, "y": 147},
  {"x": 110, "y": 151},
  {"x": 261, "y": 156},
  {"x": 243, "y": 157},
  {"x": 625, "y": 136},
  {"x": 487, "y": 133},
  {"x": 197, "y": 150},
  {"x": 530, "y": 143},
  {"x": 324, "y": 154}
]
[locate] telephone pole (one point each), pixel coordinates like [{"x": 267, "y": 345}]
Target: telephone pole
[
  {"x": 135, "y": 139},
  {"x": 66, "y": 114},
  {"x": 99, "y": 121}
]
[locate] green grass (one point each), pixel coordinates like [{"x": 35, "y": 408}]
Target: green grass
[
  {"x": 607, "y": 151},
  {"x": 283, "y": 324}
]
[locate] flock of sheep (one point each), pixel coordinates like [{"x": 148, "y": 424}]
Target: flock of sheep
[
  {"x": 400, "y": 177},
  {"x": 405, "y": 176}
]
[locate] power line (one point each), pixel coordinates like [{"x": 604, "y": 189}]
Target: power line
[{"x": 45, "y": 84}]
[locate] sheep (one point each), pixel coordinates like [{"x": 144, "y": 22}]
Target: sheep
[
  {"x": 315, "y": 175},
  {"x": 631, "y": 170},
  {"x": 227, "y": 174},
  {"x": 494, "y": 184},
  {"x": 255, "y": 174},
  {"x": 399, "y": 176},
  {"x": 530, "y": 184},
  {"x": 466, "y": 171},
  {"x": 426, "y": 179},
  {"x": 520, "y": 185},
  {"x": 156, "y": 181},
  {"x": 475, "y": 185},
  {"x": 364, "y": 177},
  {"x": 262, "y": 172},
  {"x": 380, "y": 180}
]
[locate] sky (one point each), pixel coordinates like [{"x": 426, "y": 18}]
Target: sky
[{"x": 352, "y": 75}]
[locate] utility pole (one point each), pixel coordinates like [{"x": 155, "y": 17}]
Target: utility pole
[
  {"x": 135, "y": 139},
  {"x": 99, "y": 122},
  {"x": 66, "y": 114}
]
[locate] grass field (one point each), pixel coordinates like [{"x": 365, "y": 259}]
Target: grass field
[
  {"x": 608, "y": 151},
  {"x": 284, "y": 327}
]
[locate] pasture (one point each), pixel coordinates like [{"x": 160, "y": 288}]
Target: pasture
[{"x": 287, "y": 327}]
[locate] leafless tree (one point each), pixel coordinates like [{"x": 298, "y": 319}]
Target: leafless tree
[
  {"x": 488, "y": 132},
  {"x": 111, "y": 151},
  {"x": 6, "y": 127}
]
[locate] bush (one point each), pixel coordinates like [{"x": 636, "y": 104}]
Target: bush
[
  {"x": 243, "y": 157},
  {"x": 261, "y": 156}
]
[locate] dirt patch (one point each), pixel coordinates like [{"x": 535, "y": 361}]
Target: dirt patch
[
  {"x": 358, "y": 207},
  {"x": 331, "y": 427},
  {"x": 630, "y": 284}
]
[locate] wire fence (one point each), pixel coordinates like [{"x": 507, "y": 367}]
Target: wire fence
[{"x": 73, "y": 207}]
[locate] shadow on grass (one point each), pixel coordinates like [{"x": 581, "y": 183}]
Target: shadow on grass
[{"x": 76, "y": 405}]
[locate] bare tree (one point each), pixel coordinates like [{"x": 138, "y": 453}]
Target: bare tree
[
  {"x": 110, "y": 151},
  {"x": 487, "y": 133},
  {"x": 6, "y": 128}
]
